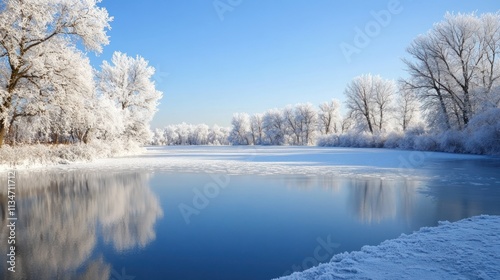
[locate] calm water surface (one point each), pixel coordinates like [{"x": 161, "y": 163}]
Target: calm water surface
[{"x": 105, "y": 225}]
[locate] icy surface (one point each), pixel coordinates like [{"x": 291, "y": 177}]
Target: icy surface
[
  {"x": 267, "y": 160},
  {"x": 467, "y": 249}
]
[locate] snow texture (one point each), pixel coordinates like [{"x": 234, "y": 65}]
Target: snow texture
[
  {"x": 467, "y": 249},
  {"x": 41, "y": 156}
]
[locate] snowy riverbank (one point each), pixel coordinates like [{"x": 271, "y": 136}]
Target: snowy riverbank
[
  {"x": 467, "y": 249},
  {"x": 51, "y": 156}
]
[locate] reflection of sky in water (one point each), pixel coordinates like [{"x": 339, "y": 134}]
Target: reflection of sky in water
[{"x": 84, "y": 226}]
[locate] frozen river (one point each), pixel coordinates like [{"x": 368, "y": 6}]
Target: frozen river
[{"x": 234, "y": 213}]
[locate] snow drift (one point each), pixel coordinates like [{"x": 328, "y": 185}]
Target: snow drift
[{"x": 467, "y": 249}]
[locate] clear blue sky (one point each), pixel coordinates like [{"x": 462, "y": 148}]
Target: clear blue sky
[{"x": 264, "y": 54}]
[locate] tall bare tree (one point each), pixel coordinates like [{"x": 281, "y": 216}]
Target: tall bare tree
[
  {"x": 456, "y": 67},
  {"x": 368, "y": 100},
  {"x": 407, "y": 106},
  {"x": 256, "y": 128},
  {"x": 329, "y": 117}
]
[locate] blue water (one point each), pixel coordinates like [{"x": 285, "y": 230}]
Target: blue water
[{"x": 102, "y": 225}]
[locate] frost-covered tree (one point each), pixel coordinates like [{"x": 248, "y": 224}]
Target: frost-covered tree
[
  {"x": 70, "y": 103},
  {"x": 218, "y": 135},
  {"x": 384, "y": 91},
  {"x": 200, "y": 135},
  {"x": 426, "y": 80},
  {"x": 369, "y": 101},
  {"x": 240, "y": 133},
  {"x": 30, "y": 33},
  {"x": 257, "y": 128},
  {"x": 454, "y": 68},
  {"x": 329, "y": 117},
  {"x": 301, "y": 123},
  {"x": 188, "y": 134},
  {"x": 347, "y": 123},
  {"x": 274, "y": 126},
  {"x": 108, "y": 118},
  {"x": 293, "y": 126},
  {"x": 57, "y": 104},
  {"x": 360, "y": 100},
  {"x": 159, "y": 137},
  {"x": 407, "y": 107},
  {"x": 128, "y": 82},
  {"x": 308, "y": 118}
]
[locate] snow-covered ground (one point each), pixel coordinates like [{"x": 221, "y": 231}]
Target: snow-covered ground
[{"x": 467, "y": 249}]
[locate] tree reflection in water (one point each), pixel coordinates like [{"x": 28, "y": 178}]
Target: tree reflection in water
[
  {"x": 61, "y": 215},
  {"x": 370, "y": 200},
  {"x": 375, "y": 200}
]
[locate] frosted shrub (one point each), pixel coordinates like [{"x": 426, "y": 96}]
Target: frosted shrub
[
  {"x": 378, "y": 140},
  {"x": 426, "y": 142},
  {"x": 331, "y": 140},
  {"x": 358, "y": 140},
  {"x": 394, "y": 140},
  {"x": 451, "y": 141},
  {"x": 352, "y": 139},
  {"x": 482, "y": 135},
  {"x": 40, "y": 154},
  {"x": 348, "y": 140}
]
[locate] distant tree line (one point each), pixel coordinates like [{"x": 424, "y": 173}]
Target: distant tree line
[
  {"x": 292, "y": 125},
  {"x": 450, "y": 100},
  {"x": 187, "y": 134}
]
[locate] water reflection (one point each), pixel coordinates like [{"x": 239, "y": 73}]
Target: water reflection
[
  {"x": 61, "y": 216},
  {"x": 369, "y": 199},
  {"x": 80, "y": 225},
  {"x": 328, "y": 183},
  {"x": 375, "y": 200}
]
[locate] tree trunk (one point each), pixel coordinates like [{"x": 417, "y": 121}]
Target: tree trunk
[
  {"x": 370, "y": 127},
  {"x": 2, "y": 132},
  {"x": 381, "y": 118},
  {"x": 86, "y": 136},
  {"x": 443, "y": 108},
  {"x": 467, "y": 109}
]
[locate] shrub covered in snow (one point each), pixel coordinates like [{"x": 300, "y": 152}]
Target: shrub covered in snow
[
  {"x": 482, "y": 136},
  {"x": 42, "y": 154}
]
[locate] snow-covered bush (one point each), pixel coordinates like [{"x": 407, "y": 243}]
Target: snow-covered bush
[
  {"x": 42, "y": 154},
  {"x": 482, "y": 135},
  {"x": 394, "y": 140},
  {"x": 451, "y": 141},
  {"x": 331, "y": 140},
  {"x": 426, "y": 142}
]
